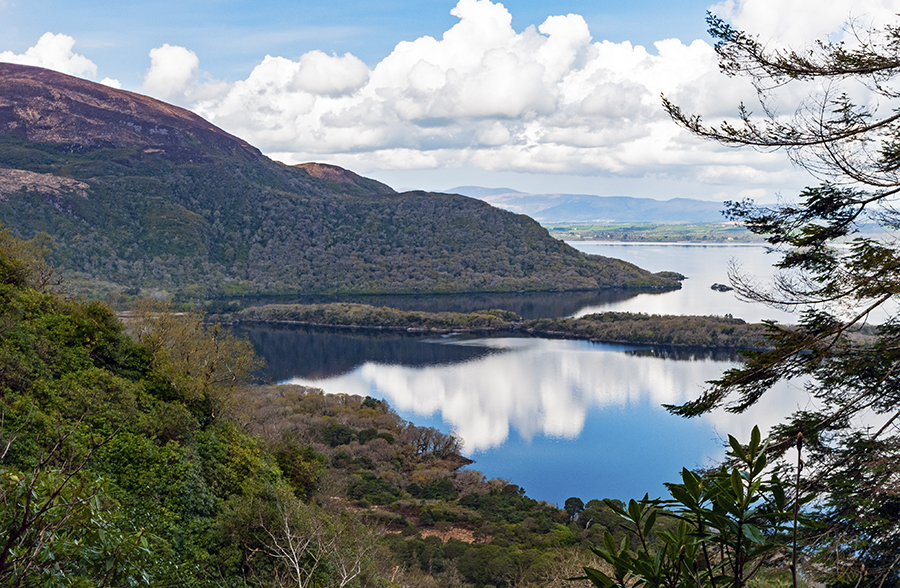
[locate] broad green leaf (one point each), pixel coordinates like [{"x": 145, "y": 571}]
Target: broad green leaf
[
  {"x": 648, "y": 525},
  {"x": 634, "y": 511},
  {"x": 597, "y": 578},
  {"x": 691, "y": 483},
  {"x": 737, "y": 448},
  {"x": 680, "y": 494},
  {"x": 754, "y": 441},
  {"x": 608, "y": 542},
  {"x": 613, "y": 506},
  {"x": 737, "y": 484},
  {"x": 753, "y": 533},
  {"x": 760, "y": 464}
]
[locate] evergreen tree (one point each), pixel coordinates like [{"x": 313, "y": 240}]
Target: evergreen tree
[{"x": 835, "y": 278}]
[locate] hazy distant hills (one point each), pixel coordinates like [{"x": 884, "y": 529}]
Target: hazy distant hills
[
  {"x": 577, "y": 208},
  {"x": 140, "y": 194}
]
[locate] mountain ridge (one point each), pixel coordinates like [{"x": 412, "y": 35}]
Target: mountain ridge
[
  {"x": 555, "y": 208},
  {"x": 65, "y": 109},
  {"x": 143, "y": 196}
]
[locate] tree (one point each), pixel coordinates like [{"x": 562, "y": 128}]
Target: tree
[
  {"x": 283, "y": 541},
  {"x": 60, "y": 527},
  {"x": 62, "y": 530},
  {"x": 204, "y": 363},
  {"x": 25, "y": 262},
  {"x": 573, "y": 507},
  {"x": 833, "y": 275}
]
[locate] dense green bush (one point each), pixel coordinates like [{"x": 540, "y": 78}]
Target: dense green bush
[
  {"x": 118, "y": 465},
  {"x": 372, "y": 489},
  {"x": 335, "y": 434}
]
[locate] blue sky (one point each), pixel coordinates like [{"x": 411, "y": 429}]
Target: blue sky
[
  {"x": 231, "y": 37},
  {"x": 536, "y": 96}
]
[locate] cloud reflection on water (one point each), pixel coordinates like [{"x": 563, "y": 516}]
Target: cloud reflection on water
[{"x": 542, "y": 387}]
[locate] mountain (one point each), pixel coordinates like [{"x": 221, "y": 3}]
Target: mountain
[
  {"x": 482, "y": 193},
  {"x": 579, "y": 208},
  {"x": 144, "y": 195}
]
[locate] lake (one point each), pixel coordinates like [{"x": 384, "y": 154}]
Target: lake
[
  {"x": 559, "y": 418},
  {"x": 704, "y": 265}
]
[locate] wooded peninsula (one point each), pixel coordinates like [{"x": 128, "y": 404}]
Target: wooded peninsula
[{"x": 608, "y": 327}]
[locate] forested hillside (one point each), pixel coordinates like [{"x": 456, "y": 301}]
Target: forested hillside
[
  {"x": 149, "y": 459},
  {"x": 144, "y": 196}
]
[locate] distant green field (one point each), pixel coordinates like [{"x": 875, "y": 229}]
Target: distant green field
[{"x": 671, "y": 232}]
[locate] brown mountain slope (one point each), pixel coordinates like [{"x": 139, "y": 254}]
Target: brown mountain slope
[{"x": 39, "y": 105}]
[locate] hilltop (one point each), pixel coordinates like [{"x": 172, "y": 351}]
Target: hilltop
[{"x": 142, "y": 195}]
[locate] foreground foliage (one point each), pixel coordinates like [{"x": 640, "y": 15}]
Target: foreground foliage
[
  {"x": 850, "y": 428},
  {"x": 727, "y": 524},
  {"x": 117, "y": 465}
]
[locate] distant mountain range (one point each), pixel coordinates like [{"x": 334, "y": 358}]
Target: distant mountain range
[
  {"x": 142, "y": 195},
  {"x": 582, "y": 208}
]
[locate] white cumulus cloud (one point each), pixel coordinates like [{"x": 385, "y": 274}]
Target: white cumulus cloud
[
  {"x": 319, "y": 73},
  {"x": 173, "y": 72},
  {"x": 799, "y": 22},
  {"x": 53, "y": 52},
  {"x": 175, "y": 76},
  {"x": 546, "y": 99}
]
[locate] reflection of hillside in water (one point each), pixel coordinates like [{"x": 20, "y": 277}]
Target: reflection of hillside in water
[
  {"x": 315, "y": 353},
  {"x": 687, "y": 353},
  {"x": 537, "y": 388},
  {"x": 529, "y": 305}
]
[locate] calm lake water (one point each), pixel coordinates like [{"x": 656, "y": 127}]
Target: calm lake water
[
  {"x": 704, "y": 265},
  {"x": 559, "y": 418}
]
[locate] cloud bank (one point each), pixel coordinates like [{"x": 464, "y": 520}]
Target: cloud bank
[{"x": 548, "y": 99}]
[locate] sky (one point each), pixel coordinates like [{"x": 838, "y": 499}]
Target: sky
[{"x": 543, "y": 97}]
